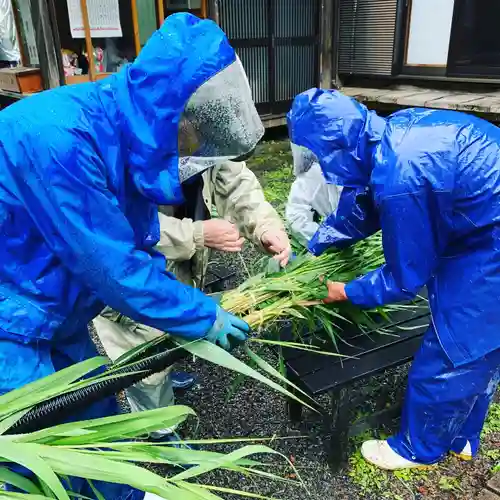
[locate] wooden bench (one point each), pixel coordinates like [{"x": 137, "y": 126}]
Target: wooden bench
[{"x": 369, "y": 354}]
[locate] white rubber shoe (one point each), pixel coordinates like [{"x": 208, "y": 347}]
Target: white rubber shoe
[
  {"x": 380, "y": 454},
  {"x": 152, "y": 496},
  {"x": 465, "y": 454}
]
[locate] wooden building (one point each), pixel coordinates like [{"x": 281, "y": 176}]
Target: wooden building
[
  {"x": 432, "y": 53},
  {"x": 284, "y": 45}
]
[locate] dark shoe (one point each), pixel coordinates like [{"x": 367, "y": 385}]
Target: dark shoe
[{"x": 182, "y": 380}]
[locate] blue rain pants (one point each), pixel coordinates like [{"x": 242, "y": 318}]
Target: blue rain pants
[{"x": 445, "y": 406}]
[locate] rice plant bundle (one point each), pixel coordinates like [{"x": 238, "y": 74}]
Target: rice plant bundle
[{"x": 296, "y": 292}]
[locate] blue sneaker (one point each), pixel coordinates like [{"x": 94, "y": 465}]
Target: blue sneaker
[{"x": 182, "y": 380}]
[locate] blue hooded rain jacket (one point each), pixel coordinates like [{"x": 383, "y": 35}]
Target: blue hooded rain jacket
[
  {"x": 82, "y": 170},
  {"x": 434, "y": 179}
]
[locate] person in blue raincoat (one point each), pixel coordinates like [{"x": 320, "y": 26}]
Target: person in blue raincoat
[
  {"x": 82, "y": 171},
  {"x": 430, "y": 180}
]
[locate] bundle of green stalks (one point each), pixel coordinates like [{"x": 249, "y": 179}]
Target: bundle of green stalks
[{"x": 297, "y": 292}]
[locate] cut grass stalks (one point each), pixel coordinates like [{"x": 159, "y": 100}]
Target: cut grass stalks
[{"x": 295, "y": 294}]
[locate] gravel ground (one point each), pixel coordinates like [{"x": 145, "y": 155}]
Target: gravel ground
[{"x": 256, "y": 411}]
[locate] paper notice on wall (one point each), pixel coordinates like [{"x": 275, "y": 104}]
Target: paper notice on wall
[{"x": 104, "y": 18}]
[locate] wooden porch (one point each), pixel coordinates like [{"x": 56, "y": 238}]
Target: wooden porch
[{"x": 485, "y": 103}]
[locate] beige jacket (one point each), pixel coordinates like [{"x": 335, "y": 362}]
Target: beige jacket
[{"x": 238, "y": 197}]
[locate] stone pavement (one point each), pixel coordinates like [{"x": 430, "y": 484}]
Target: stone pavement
[{"x": 492, "y": 491}]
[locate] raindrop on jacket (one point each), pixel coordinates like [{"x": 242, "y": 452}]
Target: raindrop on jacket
[{"x": 434, "y": 177}]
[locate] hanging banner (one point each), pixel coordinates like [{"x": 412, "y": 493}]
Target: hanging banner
[{"x": 104, "y": 18}]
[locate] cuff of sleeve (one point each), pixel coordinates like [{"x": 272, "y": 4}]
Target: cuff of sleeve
[
  {"x": 355, "y": 294},
  {"x": 198, "y": 236}
]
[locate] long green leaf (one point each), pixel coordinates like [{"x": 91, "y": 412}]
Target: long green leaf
[
  {"x": 47, "y": 387},
  {"x": 26, "y": 455},
  {"x": 14, "y": 479},
  {"x": 111, "y": 428},
  {"x": 224, "y": 461},
  {"x": 22, "y": 496},
  {"x": 299, "y": 347},
  {"x": 7, "y": 422},
  {"x": 219, "y": 356},
  {"x": 236, "y": 492},
  {"x": 264, "y": 365}
]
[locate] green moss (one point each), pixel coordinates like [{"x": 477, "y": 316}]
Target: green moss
[
  {"x": 450, "y": 483},
  {"x": 368, "y": 477},
  {"x": 379, "y": 483},
  {"x": 492, "y": 423},
  {"x": 490, "y": 430},
  {"x": 272, "y": 164}
]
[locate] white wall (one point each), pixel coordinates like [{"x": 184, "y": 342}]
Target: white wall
[{"x": 430, "y": 28}]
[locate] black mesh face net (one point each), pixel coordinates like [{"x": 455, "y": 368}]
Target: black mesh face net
[{"x": 220, "y": 121}]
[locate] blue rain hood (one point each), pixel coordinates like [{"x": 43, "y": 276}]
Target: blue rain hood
[
  {"x": 153, "y": 92},
  {"x": 340, "y": 131},
  {"x": 82, "y": 171}
]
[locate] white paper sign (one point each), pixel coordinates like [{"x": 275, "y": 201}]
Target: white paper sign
[{"x": 104, "y": 18}]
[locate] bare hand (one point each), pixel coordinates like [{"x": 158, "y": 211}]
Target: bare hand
[
  {"x": 222, "y": 235},
  {"x": 277, "y": 243},
  {"x": 336, "y": 292}
]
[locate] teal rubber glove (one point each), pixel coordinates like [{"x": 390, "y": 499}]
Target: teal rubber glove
[{"x": 227, "y": 330}]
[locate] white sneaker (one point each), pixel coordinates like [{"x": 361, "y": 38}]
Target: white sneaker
[
  {"x": 380, "y": 454},
  {"x": 465, "y": 454},
  {"x": 152, "y": 496}
]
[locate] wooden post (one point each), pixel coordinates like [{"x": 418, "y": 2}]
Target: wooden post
[
  {"x": 20, "y": 41},
  {"x": 203, "y": 9},
  {"x": 45, "y": 45},
  {"x": 57, "y": 41},
  {"x": 135, "y": 24},
  {"x": 326, "y": 35},
  {"x": 88, "y": 39},
  {"x": 213, "y": 10},
  {"x": 160, "y": 11},
  {"x": 337, "y": 83}
]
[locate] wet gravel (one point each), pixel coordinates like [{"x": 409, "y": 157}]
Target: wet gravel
[{"x": 254, "y": 411}]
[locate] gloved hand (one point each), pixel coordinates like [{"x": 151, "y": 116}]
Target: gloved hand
[{"x": 227, "y": 328}]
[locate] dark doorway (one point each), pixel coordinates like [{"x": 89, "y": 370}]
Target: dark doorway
[
  {"x": 278, "y": 44},
  {"x": 475, "y": 40}
]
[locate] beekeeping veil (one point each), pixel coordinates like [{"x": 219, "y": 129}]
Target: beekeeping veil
[
  {"x": 219, "y": 123},
  {"x": 185, "y": 96}
]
